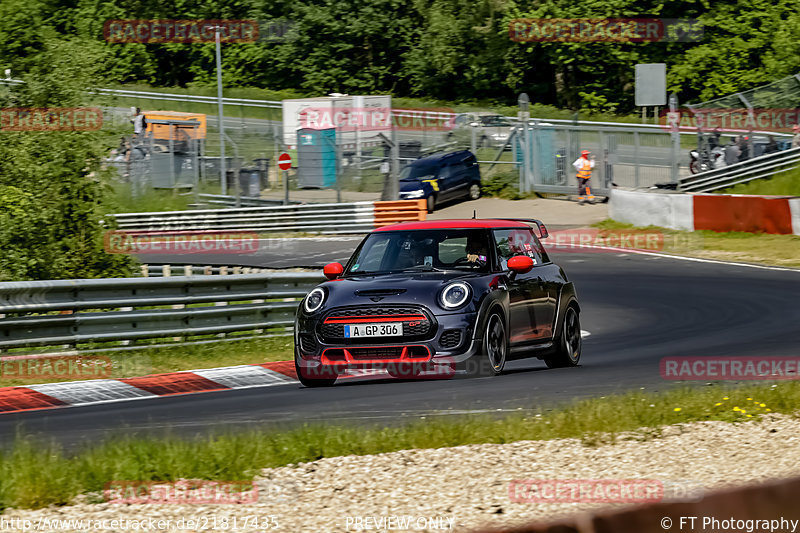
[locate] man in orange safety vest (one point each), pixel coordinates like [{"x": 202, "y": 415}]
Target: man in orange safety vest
[{"x": 584, "y": 166}]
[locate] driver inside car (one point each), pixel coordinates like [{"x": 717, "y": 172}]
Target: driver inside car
[{"x": 476, "y": 250}]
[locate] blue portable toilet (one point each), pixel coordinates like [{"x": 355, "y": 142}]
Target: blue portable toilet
[{"x": 316, "y": 158}]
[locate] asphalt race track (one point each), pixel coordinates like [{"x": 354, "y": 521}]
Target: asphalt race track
[{"x": 638, "y": 309}]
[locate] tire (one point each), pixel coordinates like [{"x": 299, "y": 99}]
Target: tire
[
  {"x": 327, "y": 381},
  {"x": 474, "y": 191},
  {"x": 431, "y": 203},
  {"x": 568, "y": 352},
  {"x": 494, "y": 349}
]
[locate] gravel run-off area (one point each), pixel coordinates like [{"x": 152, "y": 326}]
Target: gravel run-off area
[{"x": 467, "y": 487}]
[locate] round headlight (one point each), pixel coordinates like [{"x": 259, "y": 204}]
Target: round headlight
[
  {"x": 455, "y": 295},
  {"x": 314, "y": 300}
]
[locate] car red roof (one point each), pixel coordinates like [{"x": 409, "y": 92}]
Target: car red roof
[{"x": 456, "y": 223}]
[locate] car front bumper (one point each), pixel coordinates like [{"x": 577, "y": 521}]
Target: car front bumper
[{"x": 384, "y": 352}]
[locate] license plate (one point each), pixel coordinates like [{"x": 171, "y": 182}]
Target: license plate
[{"x": 388, "y": 329}]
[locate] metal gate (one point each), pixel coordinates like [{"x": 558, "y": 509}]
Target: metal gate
[{"x": 625, "y": 155}]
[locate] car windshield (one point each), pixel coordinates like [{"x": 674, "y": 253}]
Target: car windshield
[
  {"x": 439, "y": 249},
  {"x": 416, "y": 172},
  {"x": 494, "y": 120}
]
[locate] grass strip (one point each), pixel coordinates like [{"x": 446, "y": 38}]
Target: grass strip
[
  {"x": 783, "y": 184},
  {"x": 776, "y": 250},
  {"x": 34, "y": 474}
]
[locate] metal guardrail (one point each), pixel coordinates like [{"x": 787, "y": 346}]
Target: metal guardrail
[
  {"x": 72, "y": 312},
  {"x": 759, "y": 167},
  {"x": 182, "y": 269},
  {"x": 225, "y": 200},
  {"x": 356, "y": 217}
]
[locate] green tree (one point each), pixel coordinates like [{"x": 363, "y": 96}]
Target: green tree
[{"x": 54, "y": 192}]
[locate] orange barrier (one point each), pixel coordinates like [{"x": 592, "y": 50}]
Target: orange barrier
[
  {"x": 392, "y": 212},
  {"x": 754, "y": 214}
]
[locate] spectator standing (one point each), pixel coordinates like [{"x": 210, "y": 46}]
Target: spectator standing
[
  {"x": 584, "y": 166},
  {"x": 139, "y": 124},
  {"x": 732, "y": 153}
]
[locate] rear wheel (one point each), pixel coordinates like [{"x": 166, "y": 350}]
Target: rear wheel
[
  {"x": 568, "y": 352},
  {"x": 431, "y": 203},
  {"x": 474, "y": 191},
  {"x": 319, "y": 377}
]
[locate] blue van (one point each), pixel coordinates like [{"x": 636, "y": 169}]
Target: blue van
[{"x": 441, "y": 178}]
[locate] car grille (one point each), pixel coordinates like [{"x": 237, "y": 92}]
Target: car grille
[
  {"x": 450, "y": 338},
  {"x": 417, "y": 322}
]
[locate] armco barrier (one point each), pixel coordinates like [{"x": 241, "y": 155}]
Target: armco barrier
[
  {"x": 731, "y": 509},
  {"x": 716, "y": 212},
  {"x": 69, "y": 312},
  {"x": 764, "y": 166},
  {"x": 358, "y": 217}
]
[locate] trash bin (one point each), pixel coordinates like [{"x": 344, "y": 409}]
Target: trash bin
[
  {"x": 263, "y": 171},
  {"x": 250, "y": 182}
]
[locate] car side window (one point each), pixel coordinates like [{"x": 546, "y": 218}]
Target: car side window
[
  {"x": 446, "y": 171},
  {"x": 517, "y": 241}
]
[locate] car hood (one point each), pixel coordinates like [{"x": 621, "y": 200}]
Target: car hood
[
  {"x": 413, "y": 184},
  {"x": 413, "y": 287}
]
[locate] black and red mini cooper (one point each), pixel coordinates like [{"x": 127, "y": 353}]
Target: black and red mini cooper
[{"x": 466, "y": 295}]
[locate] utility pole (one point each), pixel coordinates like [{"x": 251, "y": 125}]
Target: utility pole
[
  {"x": 223, "y": 173},
  {"x": 524, "y": 115}
]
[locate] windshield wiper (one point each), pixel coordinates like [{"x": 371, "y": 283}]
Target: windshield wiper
[{"x": 424, "y": 268}]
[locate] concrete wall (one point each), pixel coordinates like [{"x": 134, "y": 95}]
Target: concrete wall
[
  {"x": 716, "y": 212},
  {"x": 666, "y": 210}
]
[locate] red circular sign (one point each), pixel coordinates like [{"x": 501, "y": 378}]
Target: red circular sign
[{"x": 284, "y": 161}]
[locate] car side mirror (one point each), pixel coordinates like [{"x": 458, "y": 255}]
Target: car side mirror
[
  {"x": 520, "y": 264},
  {"x": 333, "y": 270}
]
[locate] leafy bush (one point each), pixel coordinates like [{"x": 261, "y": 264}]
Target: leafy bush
[{"x": 502, "y": 185}]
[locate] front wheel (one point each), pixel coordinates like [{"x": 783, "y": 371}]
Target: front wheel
[
  {"x": 568, "y": 352},
  {"x": 322, "y": 377},
  {"x": 494, "y": 348},
  {"x": 431, "y": 203}
]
